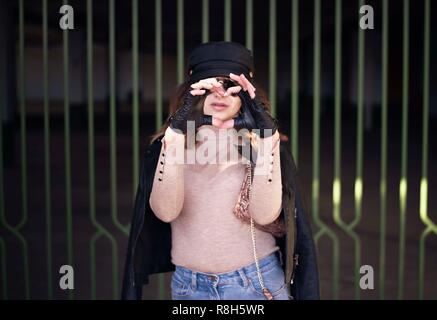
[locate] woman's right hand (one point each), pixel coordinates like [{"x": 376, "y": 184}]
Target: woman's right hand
[
  {"x": 178, "y": 121},
  {"x": 210, "y": 84}
]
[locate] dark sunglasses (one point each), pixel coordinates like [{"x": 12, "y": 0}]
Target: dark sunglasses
[{"x": 228, "y": 83}]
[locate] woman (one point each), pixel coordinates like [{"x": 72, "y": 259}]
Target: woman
[{"x": 223, "y": 221}]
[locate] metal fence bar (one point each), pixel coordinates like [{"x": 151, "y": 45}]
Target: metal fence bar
[
  {"x": 113, "y": 140},
  {"x": 91, "y": 164},
  {"x": 47, "y": 153},
  {"x": 249, "y": 25},
  {"x": 403, "y": 184},
  {"x": 384, "y": 145},
  {"x": 90, "y": 116},
  {"x": 228, "y": 20},
  {"x": 180, "y": 40},
  {"x": 67, "y": 153},
  {"x": 113, "y": 118},
  {"x": 272, "y": 55},
  {"x": 205, "y": 20},
  {"x": 336, "y": 185},
  {"x": 431, "y": 227},
  {"x": 23, "y": 144},
  {"x": 158, "y": 62},
  {"x": 101, "y": 231},
  {"x": 315, "y": 192},
  {"x": 158, "y": 106},
  {"x": 358, "y": 190},
  {"x": 295, "y": 79}
]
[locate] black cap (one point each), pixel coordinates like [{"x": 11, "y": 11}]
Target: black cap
[{"x": 219, "y": 58}]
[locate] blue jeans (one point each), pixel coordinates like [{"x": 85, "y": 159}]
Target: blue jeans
[{"x": 241, "y": 284}]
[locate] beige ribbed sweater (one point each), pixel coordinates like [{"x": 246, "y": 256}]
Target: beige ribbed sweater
[{"x": 198, "y": 199}]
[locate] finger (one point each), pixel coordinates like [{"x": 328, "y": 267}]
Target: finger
[
  {"x": 250, "y": 87},
  {"x": 212, "y": 81},
  {"x": 251, "y": 93},
  {"x": 238, "y": 79},
  {"x": 232, "y": 90},
  {"x": 207, "y": 83},
  {"x": 197, "y": 92},
  {"x": 208, "y": 80},
  {"x": 246, "y": 82},
  {"x": 200, "y": 85}
]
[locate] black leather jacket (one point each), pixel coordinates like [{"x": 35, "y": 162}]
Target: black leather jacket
[{"x": 149, "y": 244}]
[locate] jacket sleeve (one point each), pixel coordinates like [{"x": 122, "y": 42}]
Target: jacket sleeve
[
  {"x": 306, "y": 284},
  {"x": 129, "y": 291},
  {"x": 306, "y": 280}
]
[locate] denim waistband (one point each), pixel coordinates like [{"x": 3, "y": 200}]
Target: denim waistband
[{"x": 250, "y": 270}]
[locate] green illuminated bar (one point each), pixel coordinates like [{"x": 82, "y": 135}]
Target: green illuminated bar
[
  {"x": 323, "y": 228},
  {"x": 101, "y": 231},
  {"x": 404, "y": 155},
  {"x": 205, "y": 20},
  {"x": 249, "y": 25},
  {"x": 91, "y": 164},
  {"x": 336, "y": 186},
  {"x": 23, "y": 144},
  {"x": 180, "y": 44},
  {"x": 384, "y": 145},
  {"x": 348, "y": 228},
  {"x": 295, "y": 79},
  {"x": 67, "y": 153},
  {"x": 358, "y": 189},
  {"x": 272, "y": 55},
  {"x": 228, "y": 20},
  {"x": 158, "y": 107},
  {"x": 431, "y": 227},
  {"x": 47, "y": 154},
  {"x": 158, "y": 63},
  {"x": 112, "y": 120},
  {"x": 113, "y": 140}
]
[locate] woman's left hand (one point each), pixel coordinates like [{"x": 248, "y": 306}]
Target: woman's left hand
[
  {"x": 254, "y": 114},
  {"x": 244, "y": 84}
]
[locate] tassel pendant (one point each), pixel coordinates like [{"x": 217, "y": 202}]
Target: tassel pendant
[{"x": 267, "y": 294}]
